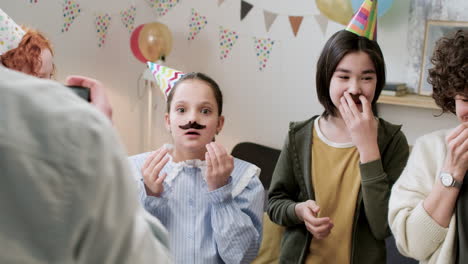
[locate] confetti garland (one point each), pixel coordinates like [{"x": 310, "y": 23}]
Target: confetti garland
[
  {"x": 227, "y": 39},
  {"x": 102, "y": 25},
  {"x": 71, "y": 10},
  {"x": 197, "y": 23}
]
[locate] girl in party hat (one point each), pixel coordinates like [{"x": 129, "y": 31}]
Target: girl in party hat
[
  {"x": 25, "y": 49},
  {"x": 210, "y": 202},
  {"x": 29, "y": 51},
  {"x": 332, "y": 182}
]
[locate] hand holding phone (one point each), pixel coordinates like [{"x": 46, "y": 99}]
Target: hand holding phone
[
  {"x": 81, "y": 91},
  {"x": 96, "y": 91}
]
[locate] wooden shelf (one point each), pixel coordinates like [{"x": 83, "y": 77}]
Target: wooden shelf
[{"x": 411, "y": 100}]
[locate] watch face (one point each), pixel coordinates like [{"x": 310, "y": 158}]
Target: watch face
[{"x": 446, "y": 179}]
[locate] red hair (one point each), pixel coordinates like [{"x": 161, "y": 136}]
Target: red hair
[{"x": 27, "y": 56}]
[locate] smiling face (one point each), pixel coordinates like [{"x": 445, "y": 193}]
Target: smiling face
[
  {"x": 193, "y": 101},
  {"x": 461, "y": 108},
  {"x": 354, "y": 74}
]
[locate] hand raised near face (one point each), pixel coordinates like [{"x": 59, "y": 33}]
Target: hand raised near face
[
  {"x": 456, "y": 161},
  {"x": 151, "y": 172},
  {"x": 362, "y": 126},
  {"x": 219, "y": 166},
  {"x": 319, "y": 227}
]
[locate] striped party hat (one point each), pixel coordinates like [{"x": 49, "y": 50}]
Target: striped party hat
[
  {"x": 165, "y": 77},
  {"x": 10, "y": 33},
  {"x": 364, "y": 22}
]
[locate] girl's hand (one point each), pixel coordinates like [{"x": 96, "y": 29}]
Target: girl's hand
[
  {"x": 151, "y": 172},
  {"x": 456, "y": 161},
  {"x": 219, "y": 166},
  {"x": 362, "y": 126},
  {"x": 319, "y": 227}
]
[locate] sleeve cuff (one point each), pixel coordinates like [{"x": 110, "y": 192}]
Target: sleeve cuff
[
  {"x": 152, "y": 202},
  {"x": 424, "y": 224},
  {"x": 222, "y": 194},
  {"x": 371, "y": 170},
  {"x": 291, "y": 212}
]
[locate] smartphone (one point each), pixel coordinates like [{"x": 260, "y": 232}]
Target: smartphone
[{"x": 82, "y": 92}]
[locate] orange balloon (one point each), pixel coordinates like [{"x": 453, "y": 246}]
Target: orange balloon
[{"x": 154, "y": 41}]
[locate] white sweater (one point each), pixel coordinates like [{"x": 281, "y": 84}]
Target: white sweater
[{"x": 417, "y": 235}]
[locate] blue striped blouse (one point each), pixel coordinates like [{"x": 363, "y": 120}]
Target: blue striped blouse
[{"x": 220, "y": 226}]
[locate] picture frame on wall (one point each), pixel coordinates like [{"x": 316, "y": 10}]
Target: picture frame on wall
[{"x": 435, "y": 29}]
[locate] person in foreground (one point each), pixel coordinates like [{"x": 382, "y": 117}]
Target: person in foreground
[
  {"x": 331, "y": 185},
  {"x": 210, "y": 202},
  {"x": 29, "y": 51},
  {"x": 66, "y": 192},
  {"x": 429, "y": 203}
]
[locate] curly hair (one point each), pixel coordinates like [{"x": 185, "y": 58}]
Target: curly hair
[
  {"x": 449, "y": 75},
  {"x": 27, "y": 56}
]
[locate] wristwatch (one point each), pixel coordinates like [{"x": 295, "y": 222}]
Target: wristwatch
[{"x": 448, "y": 180}]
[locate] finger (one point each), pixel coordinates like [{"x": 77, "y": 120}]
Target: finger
[
  {"x": 323, "y": 230},
  {"x": 319, "y": 232},
  {"x": 212, "y": 155},
  {"x": 352, "y": 105},
  {"x": 161, "y": 179},
  {"x": 209, "y": 164},
  {"x": 461, "y": 138},
  {"x": 83, "y": 81},
  {"x": 313, "y": 206},
  {"x": 461, "y": 143},
  {"x": 366, "y": 106},
  {"x": 219, "y": 154},
  {"x": 157, "y": 159},
  {"x": 157, "y": 169},
  {"x": 150, "y": 158},
  {"x": 346, "y": 110},
  {"x": 308, "y": 216},
  {"x": 460, "y": 128},
  {"x": 318, "y": 221}
]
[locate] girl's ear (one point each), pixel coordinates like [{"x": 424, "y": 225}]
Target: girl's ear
[
  {"x": 167, "y": 122},
  {"x": 220, "y": 124}
]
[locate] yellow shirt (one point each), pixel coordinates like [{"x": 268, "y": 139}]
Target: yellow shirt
[{"x": 336, "y": 180}]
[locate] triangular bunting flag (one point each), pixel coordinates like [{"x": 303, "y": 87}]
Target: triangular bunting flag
[
  {"x": 263, "y": 48},
  {"x": 227, "y": 39},
  {"x": 295, "y": 23},
  {"x": 102, "y": 24},
  {"x": 245, "y": 9},
  {"x": 128, "y": 17},
  {"x": 269, "y": 19},
  {"x": 165, "y": 77},
  {"x": 197, "y": 23},
  {"x": 322, "y": 21},
  {"x": 162, "y": 6},
  {"x": 71, "y": 10},
  {"x": 220, "y": 2}
]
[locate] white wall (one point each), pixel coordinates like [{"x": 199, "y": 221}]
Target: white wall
[{"x": 258, "y": 104}]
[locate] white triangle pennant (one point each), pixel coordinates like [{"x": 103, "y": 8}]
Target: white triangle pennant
[
  {"x": 322, "y": 21},
  {"x": 269, "y": 19}
]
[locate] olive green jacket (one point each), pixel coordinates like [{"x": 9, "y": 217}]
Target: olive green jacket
[{"x": 292, "y": 183}]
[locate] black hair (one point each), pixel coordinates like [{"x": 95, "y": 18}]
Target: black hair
[{"x": 339, "y": 45}]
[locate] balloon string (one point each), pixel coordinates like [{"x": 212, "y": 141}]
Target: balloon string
[{"x": 142, "y": 91}]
